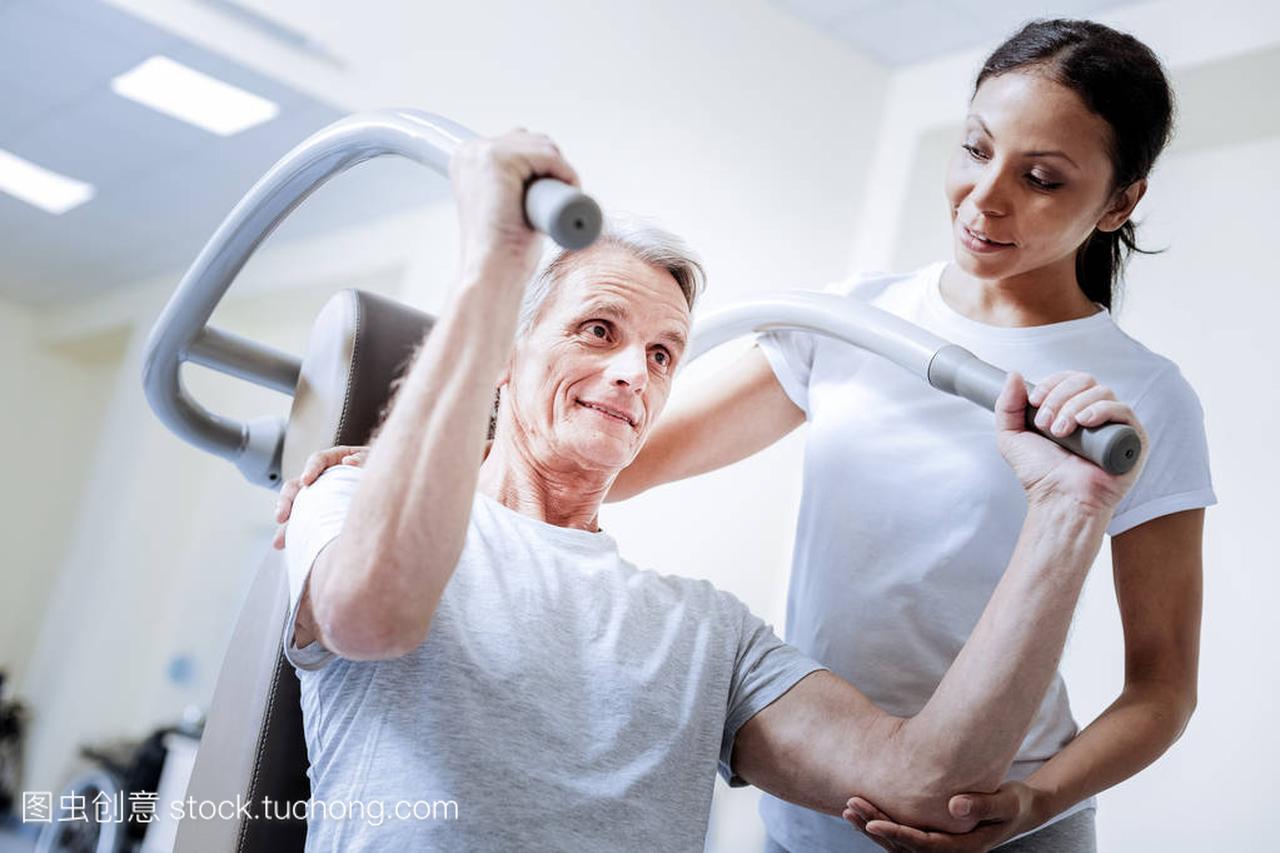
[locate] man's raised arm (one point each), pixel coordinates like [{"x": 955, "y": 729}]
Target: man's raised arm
[
  {"x": 373, "y": 591},
  {"x": 823, "y": 741}
]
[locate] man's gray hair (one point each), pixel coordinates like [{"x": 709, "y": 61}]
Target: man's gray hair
[{"x": 643, "y": 240}]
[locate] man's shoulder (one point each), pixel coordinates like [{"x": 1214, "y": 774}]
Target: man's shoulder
[{"x": 698, "y": 593}]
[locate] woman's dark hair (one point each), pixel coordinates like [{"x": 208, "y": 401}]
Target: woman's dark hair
[{"x": 1119, "y": 79}]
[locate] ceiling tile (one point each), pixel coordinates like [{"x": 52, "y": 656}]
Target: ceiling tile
[
  {"x": 907, "y": 31},
  {"x": 47, "y": 65}
]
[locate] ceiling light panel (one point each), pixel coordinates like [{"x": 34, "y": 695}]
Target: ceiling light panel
[
  {"x": 39, "y": 186},
  {"x": 184, "y": 93}
]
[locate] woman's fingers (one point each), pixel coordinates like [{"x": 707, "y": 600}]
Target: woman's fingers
[
  {"x": 907, "y": 837},
  {"x": 323, "y": 460},
  {"x": 284, "y": 504},
  {"x": 868, "y": 809},
  {"x": 860, "y": 821}
]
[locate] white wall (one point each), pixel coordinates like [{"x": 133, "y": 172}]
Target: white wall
[
  {"x": 48, "y": 393},
  {"x": 733, "y": 124}
]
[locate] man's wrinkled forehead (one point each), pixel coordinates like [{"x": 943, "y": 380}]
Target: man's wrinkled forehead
[
  {"x": 607, "y": 306},
  {"x": 618, "y": 287}
]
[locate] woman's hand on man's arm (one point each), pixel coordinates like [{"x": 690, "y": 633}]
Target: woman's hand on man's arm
[{"x": 317, "y": 464}]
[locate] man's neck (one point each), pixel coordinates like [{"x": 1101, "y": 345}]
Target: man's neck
[{"x": 565, "y": 498}]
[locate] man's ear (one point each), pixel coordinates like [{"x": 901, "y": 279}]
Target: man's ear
[
  {"x": 1122, "y": 205},
  {"x": 507, "y": 369}
]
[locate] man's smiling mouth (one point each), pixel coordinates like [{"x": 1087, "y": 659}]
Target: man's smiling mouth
[{"x": 608, "y": 411}]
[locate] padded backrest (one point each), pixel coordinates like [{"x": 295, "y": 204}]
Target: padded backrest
[{"x": 253, "y": 745}]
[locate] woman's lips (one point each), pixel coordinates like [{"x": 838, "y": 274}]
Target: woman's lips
[{"x": 976, "y": 244}]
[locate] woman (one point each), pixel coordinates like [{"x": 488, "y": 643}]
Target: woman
[
  {"x": 908, "y": 512},
  {"x": 907, "y": 515}
]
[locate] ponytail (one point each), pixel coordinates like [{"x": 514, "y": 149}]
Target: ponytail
[{"x": 1100, "y": 262}]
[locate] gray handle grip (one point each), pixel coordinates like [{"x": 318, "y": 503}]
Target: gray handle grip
[
  {"x": 1114, "y": 448},
  {"x": 562, "y": 212}
]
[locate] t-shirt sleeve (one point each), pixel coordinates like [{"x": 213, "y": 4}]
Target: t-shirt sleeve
[
  {"x": 764, "y": 669},
  {"x": 790, "y": 352},
  {"x": 1176, "y": 475},
  {"x": 316, "y": 520}
]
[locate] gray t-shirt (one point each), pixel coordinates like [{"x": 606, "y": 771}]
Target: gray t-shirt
[{"x": 563, "y": 698}]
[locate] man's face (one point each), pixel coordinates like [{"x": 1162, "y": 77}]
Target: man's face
[{"x": 591, "y": 376}]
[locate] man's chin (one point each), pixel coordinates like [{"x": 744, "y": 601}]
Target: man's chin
[{"x": 604, "y": 454}]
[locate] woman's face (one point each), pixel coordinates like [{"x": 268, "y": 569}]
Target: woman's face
[{"x": 1031, "y": 178}]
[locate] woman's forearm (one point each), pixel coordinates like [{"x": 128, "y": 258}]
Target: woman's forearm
[
  {"x": 730, "y": 416},
  {"x": 1134, "y": 731}
]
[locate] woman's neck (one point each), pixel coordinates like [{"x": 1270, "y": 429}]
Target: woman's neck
[{"x": 1037, "y": 298}]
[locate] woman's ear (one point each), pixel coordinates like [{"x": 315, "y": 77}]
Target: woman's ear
[{"x": 1122, "y": 205}]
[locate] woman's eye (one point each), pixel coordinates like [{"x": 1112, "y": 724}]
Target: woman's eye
[
  {"x": 973, "y": 151},
  {"x": 1043, "y": 183}
]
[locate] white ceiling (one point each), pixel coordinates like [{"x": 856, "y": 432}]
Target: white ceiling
[
  {"x": 162, "y": 185},
  {"x": 902, "y": 32}
]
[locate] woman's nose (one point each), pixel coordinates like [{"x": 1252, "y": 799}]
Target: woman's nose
[{"x": 988, "y": 194}]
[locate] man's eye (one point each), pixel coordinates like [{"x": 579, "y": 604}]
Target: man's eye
[
  {"x": 598, "y": 329},
  {"x": 662, "y": 357}
]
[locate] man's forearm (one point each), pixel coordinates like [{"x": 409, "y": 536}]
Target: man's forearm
[
  {"x": 408, "y": 519},
  {"x": 966, "y": 737}
]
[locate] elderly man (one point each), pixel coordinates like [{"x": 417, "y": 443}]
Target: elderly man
[{"x": 464, "y": 632}]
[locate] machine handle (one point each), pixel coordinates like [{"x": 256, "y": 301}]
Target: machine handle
[
  {"x": 562, "y": 212},
  {"x": 1115, "y": 447},
  {"x": 181, "y": 333}
]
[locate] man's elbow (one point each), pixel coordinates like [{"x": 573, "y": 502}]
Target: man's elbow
[
  {"x": 936, "y": 770},
  {"x": 354, "y": 636},
  {"x": 367, "y": 625},
  {"x": 910, "y": 779}
]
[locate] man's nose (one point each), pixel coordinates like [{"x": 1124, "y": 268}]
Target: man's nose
[{"x": 628, "y": 367}]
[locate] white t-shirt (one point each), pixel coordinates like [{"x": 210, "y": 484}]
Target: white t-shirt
[
  {"x": 562, "y": 700},
  {"x": 909, "y": 514}
]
